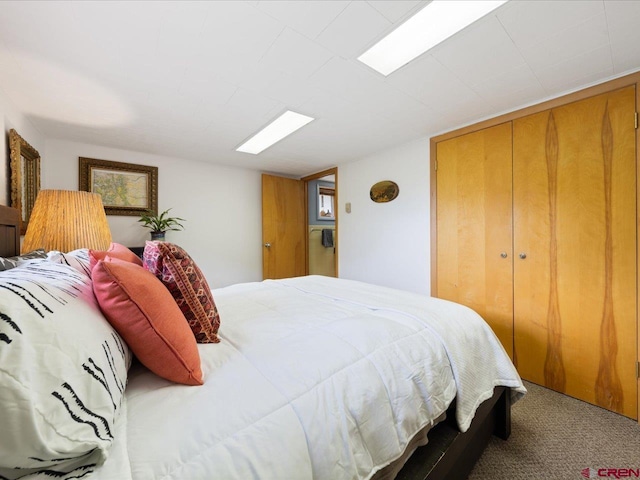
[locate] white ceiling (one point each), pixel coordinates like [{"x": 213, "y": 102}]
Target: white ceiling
[{"x": 195, "y": 79}]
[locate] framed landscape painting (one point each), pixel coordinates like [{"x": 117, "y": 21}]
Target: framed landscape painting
[{"x": 125, "y": 188}]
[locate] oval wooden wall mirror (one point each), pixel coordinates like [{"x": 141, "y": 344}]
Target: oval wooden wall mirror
[
  {"x": 384, "y": 191},
  {"x": 25, "y": 177}
]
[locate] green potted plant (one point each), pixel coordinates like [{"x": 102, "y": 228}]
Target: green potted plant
[{"x": 159, "y": 224}]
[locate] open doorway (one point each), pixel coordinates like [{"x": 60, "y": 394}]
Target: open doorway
[{"x": 322, "y": 223}]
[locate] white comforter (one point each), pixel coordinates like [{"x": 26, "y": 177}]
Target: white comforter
[{"x": 314, "y": 378}]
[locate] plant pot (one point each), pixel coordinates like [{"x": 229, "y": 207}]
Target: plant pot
[{"x": 159, "y": 236}]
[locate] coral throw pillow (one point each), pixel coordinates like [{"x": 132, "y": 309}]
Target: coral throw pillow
[
  {"x": 115, "y": 251},
  {"x": 141, "y": 309},
  {"x": 186, "y": 282}
]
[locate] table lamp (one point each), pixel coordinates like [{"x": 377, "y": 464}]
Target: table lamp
[{"x": 66, "y": 220}]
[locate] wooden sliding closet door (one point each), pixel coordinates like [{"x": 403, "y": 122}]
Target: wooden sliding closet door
[
  {"x": 574, "y": 183},
  {"x": 474, "y": 259}
]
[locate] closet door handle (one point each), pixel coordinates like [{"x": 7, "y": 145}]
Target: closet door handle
[
  {"x": 268, "y": 245},
  {"x": 504, "y": 255},
  {"x": 523, "y": 255}
]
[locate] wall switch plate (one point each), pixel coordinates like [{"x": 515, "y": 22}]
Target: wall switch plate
[{"x": 347, "y": 207}]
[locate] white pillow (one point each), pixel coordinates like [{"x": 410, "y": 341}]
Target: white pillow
[
  {"x": 7, "y": 263},
  {"x": 63, "y": 371},
  {"x": 78, "y": 259}
]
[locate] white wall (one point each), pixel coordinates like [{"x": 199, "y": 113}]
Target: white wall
[
  {"x": 11, "y": 117},
  {"x": 221, "y": 205},
  {"x": 386, "y": 243}
]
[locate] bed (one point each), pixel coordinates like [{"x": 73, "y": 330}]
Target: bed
[{"x": 312, "y": 378}]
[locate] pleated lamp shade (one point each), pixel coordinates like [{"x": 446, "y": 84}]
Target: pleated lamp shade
[{"x": 66, "y": 220}]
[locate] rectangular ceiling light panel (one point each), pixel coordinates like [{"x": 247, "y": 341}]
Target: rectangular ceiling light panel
[
  {"x": 284, "y": 125},
  {"x": 436, "y": 22}
]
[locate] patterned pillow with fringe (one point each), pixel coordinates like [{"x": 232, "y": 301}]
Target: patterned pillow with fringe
[{"x": 188, "y": 285}]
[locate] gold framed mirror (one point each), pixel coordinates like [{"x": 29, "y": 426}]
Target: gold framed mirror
[{"x": 25, "y": 177}]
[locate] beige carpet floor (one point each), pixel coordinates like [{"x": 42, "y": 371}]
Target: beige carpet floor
[{"x": 556, "y": 437}]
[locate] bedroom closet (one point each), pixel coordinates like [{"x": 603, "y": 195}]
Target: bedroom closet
[{"x": 535, "y": 228}]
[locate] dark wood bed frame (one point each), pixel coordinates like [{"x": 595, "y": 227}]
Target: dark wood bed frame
[{"x": 449, "y": 454}]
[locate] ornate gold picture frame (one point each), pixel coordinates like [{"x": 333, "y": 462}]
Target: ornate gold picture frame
[
  {"x": 125, "y": 188},
  {"x": 25, "y": 177}
]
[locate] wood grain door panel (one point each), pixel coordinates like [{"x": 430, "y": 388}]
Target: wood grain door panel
[
  {"x": 284, "y": 222},
  {"x": 574, "y": 180},
  {"x": 474, "y": 202}
]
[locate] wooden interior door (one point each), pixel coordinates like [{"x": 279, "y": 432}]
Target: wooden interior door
[
  {"x": 474, "y": 228},
  {"x": 284, "y": 222},
  {"x": 575, "y": 246}
]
